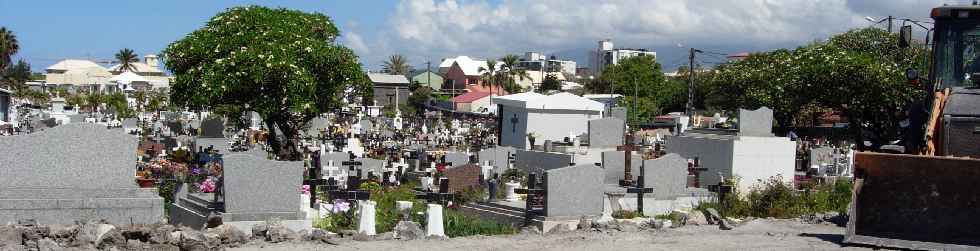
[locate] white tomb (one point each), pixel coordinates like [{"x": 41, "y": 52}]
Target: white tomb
[
  {"x": 366, "y": 223},
  {"x": 434, "y": 221},
  {"x": 549, "y": 117}
]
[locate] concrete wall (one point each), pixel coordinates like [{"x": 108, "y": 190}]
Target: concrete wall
[
  {"x": 714, "y": 154},
  {"x": 381, "y": 93},
  {"x": 759, "y": 158},
  {"x": 555, "y": 125},
  {"x": 514, "y": 135}
]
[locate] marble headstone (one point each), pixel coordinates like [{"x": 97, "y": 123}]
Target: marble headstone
[
  {"x": 257, "y": 189},
  {"x": 48, "y": 176},
  {"x": 757, "y": 123},
  {"x": 574, "y": 191},
  {"x": 667, "y": 176},
  {"x": 606, "y": 132}
]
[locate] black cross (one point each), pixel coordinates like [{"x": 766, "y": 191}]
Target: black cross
[
  {"x": 535, "y": 202},
  {"x": 723, "y": 190},
  {"x": 315, "y": 179},
  {"x": 442, "y": 196},
  {"x": 694, "y": 168},
  {"x": 639, "y": 190},
  {"x": 513, "y": 122},
  {"x": 351, "y": 193}
]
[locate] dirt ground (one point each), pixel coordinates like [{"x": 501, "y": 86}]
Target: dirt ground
[{"x": 762, "y": 234}]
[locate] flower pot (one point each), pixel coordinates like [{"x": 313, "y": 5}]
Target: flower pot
[{"x": 146, "y": 183}]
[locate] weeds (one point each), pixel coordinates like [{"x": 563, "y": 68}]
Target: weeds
[
  {"x": 777, "y": 199},
  {"x": 626, "y": 214},
  {"x": 458, "y": 225}
]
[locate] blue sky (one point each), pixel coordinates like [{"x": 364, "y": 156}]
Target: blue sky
[
  {"x": 52, "y": 30},
  {"x": 428, "y": 30}
]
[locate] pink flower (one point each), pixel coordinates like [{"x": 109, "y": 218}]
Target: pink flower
[
  {"x": 206, "y": 186},
  {"x": 306, "y": 189}
]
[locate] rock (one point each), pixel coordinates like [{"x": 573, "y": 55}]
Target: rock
[
  {"x": 161, "y": 234},
  {"x": 629, "y": 226},
  {"x": 111, "y": 238},
  {"x": 134, "y": 244},
  {"x": 584, "y": 223},
  {"x": 408, "y": 230},
  {"x": 653, "y": 224},
  {"x": 226, "y": 234},
  {"x": 140, "y": 233},
  {"x": 211, "y": 240},
  {"x": 192, "y": 240},
  {"x": 48, "y": 244},
  {"x": 667, "y": 224},
  {"x": 214, "y": 220},
  {"x": 713, "y": 216},
  {"x": 11, "y": 236},
  {"x": 260, "y": 230},
  {"x": 724, "y": 225},
  {"x": 348, "y": 232},
  {"x": 64, "y": 232},
  {"x": 94, "y": 234},
  {"x": 682, "y": 216},
  {"x": 162, "y": 247},
  {"x": 385, "y": 236},
  {"x": 279, "y": 233},
  {"x": 696, "y": 218},
  {"x": 362, "y": 237},
  {"x": 27, "y": 222}
]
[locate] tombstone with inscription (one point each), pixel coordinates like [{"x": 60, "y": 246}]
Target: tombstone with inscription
[{"x": 48, "y": 176}]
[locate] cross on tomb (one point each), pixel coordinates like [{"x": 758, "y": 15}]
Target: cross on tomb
[
  {"x": 352, "y": 193},
  {"x": 315, "y": 179},
  {"x": 513, "y": 122},
  {"x": 442, "y": 196},
  {"x": 627, "y": 149},
  {"x": 639, "y": 190},
  {"x": 534, "y": 204},
  {"x": 723, "y": 189},
  {"x": 694, "y": 168}
]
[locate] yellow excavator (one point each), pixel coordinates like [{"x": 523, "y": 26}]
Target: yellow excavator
[{"x": 929, "y": 197}]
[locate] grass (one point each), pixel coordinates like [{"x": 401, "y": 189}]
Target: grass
[
  {"x": 778, "y": 199},
  {"x": 673, "y": 217},
  {"x": 626, "y": 214},
  {"x": 387, "y": 215}
]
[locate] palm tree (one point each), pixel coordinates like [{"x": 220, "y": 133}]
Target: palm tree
[
  {"x": 489, "y": 73},
  {"x": 396, "y": 65},
  {"x": 126, "y": 58},
  {"x": 8, "y": 46},
  {"x": 511, "y": 68}
]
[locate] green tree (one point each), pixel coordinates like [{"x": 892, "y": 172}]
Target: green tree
[
  {"x": 283, "y": 64},
  {"x": 550, "y": 83},
  {"x": 8, "y": 46},
  {"x": 93, "y": 100},
  {"x": 396, "y": 65},
  {"x": 418, "y": 98},
  {"x": 490, "y": 74},
  {"x": 513, "y": 73},
  {"x": 126, "y": 58},
  {"x": 14, "y": 76},
  {"x": 640, "y": 76}
]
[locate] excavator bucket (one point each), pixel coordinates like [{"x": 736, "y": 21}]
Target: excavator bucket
[{"x": 915, "y": 202}]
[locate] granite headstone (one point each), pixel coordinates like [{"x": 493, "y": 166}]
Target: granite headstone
[
  {"x": 757, "y": 123},
  {"x": 574, "y": 191},
  {"x": 606, "y": 132},
  {"x": 667, "y": 176}
]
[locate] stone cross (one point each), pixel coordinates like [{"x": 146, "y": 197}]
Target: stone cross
[
  {"x": 694, "y": 168},
  {"x": 627, "y": 149}
]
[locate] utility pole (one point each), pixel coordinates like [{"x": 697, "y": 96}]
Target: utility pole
[
  {"x": 635, "y": 91},
  {"x": 890, "y": 23},
  {"x": 690, "y": 83}
]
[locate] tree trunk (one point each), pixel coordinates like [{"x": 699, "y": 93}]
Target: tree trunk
[{"x": 273, "y": 140}]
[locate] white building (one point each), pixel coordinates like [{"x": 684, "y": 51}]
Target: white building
[
  {"x": 753, "y": 155},
  {"x": 607, "y": 55},
  {"x": 549, "y": 117},
  {"x": 5, "y": 116},
  {"x": 86, "y": 75},
  {"x": 533, "y": 61}
]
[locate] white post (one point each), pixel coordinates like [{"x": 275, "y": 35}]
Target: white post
[
  {"x": 366, "y": 224},
  {"x": 434, "y": 223}
]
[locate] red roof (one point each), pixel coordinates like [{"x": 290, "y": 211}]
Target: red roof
[{"x": 469, "y": 97}]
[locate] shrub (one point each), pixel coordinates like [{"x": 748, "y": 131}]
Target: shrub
[
  {"x": 626, "y": 214},
  {"x": 458, "y": 225},
  {"x": 774, "y": 198}
]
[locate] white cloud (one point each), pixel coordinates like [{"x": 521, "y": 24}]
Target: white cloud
[
  {"x": 356, "y": 43},
  {"x": 421, "y": 28}
]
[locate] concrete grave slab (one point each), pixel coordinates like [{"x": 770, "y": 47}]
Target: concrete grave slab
[
  {"x": 574, "y": 191},
  {"x": 48, "y": 176},
  {"x": 606, "y": 132},
  {"x": 757, "y": 123}
]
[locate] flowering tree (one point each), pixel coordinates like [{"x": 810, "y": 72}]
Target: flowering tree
[
  {"x": 859, "y": 73},
  {"x": 283, "y": 64},
  {"x": 642, "y": 76}
]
